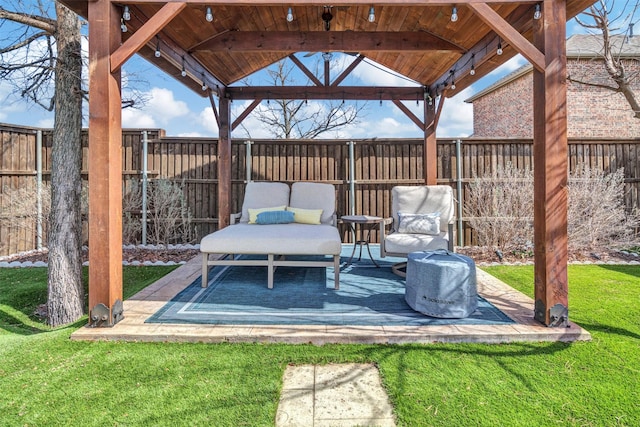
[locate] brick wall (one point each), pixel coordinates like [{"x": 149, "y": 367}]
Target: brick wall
[{"x": 592, "y": 111}]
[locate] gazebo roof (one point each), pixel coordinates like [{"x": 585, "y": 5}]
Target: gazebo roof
[{"x": 416, "y": 39}]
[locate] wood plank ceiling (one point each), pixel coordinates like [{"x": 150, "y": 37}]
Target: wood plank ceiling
[{"x": 418, "y": 41}]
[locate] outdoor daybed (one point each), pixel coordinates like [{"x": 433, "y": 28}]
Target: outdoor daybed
[{"x": 265, "y": 228}]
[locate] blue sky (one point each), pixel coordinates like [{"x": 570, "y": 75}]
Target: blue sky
[{"x": 181, "y": 112}]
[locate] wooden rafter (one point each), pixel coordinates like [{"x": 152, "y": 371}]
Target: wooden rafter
[
  {"x": 410, "y": 93},
  {"x": 305, "y": 70},
  {"x": 509, "y": 33},
  {"x": 348, "y": 70},
  {"x": 326, "y": 41}
]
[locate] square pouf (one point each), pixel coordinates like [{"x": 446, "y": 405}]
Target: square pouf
[{"x": 441, "y": 284}]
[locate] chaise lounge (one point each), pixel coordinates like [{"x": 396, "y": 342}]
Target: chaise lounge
[{"x": 277, "y": 221}]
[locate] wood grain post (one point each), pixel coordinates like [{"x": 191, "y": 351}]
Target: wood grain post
[
  {"x": 550, "y": 168},
  {"x": 224, "y": 163},
  {"x": 430, "y": 162},
  {"x": 105, "y": 167}
]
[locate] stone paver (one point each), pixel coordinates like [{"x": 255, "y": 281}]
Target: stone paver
[
  {"x": 141, "y": 306},
  {"x": 333, "y": 395}
]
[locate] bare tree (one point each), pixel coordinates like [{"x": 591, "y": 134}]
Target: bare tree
[
  {"x": 40, "y": 49},
  {"x": 287, "y": 118},
  {"x": 615, "y": 31}
]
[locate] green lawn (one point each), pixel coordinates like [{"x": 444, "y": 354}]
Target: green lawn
[{"x": 46, "y": 379}]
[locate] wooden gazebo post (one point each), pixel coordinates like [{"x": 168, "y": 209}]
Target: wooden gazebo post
[
  {"x": 550, "y": 167},
  {"x": 105, "y": 167}
]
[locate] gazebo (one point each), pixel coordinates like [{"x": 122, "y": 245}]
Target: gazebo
[{"x": 211, "y": 45}]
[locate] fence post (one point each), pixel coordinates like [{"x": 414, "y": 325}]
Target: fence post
[
  {"x": 352, "y": 178},
  {"x": 459, "y": 190},
  {"x": 39, "y": 189},
  {"x": 145, "y": 150},
  {"x": 247, "y": 162}
]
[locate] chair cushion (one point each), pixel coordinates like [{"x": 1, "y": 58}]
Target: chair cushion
[
  {"x": 419, "y": 223},
  {"x": 312, "y": 195},
  {"x": 405, "y": 243},
  {"x": 274, "y": 217},
  {"x": 259, "y": 195},
  {"x": 305, "y": 216},
  {"x": 280, "y": 239},
  {"x": 423, "y": 199}
]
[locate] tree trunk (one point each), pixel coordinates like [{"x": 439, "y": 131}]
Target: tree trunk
[{"x": 65, "y": 301}]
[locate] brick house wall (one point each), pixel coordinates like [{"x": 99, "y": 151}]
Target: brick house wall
[{"x": 507, "y": 110}]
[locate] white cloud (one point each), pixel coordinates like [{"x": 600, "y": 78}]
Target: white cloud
[
  {"x": 456, "y": 119},
  {"x": 132, "y": 118},
  {"x": 378, "y": 75},
  {"x": 46, "y": 123},
  {"x": 207, "y": 120},
  {"x": 164, "y": 107}
]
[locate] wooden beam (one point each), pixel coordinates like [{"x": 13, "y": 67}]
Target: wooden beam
[
  {"x": 550, "y": 168},
  {"x": 174, "y": 55},
  {"x": 245, "y": 113},
  {"x": 509, "y": 33},
  {"x": 322, "y": 3},
  {"x": 484, "y": 53},
  {"x": 305, "y": 70},
  {"x": 430, "y": 150},
  {"x": 224, "y": 163},
  {"x": 409, "y": 114},
  {"x": 363, "y": 93},
  {"x": 326, "y": 41},
  {"x": 348, "y": 70},
  {"x": 105, "y": 167},
  {"x": 145, "y": 33}
]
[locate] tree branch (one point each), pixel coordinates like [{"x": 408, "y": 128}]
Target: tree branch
[{"x": 45, "y": 24}]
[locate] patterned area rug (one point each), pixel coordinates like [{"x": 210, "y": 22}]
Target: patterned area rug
[{"x": 368, "y": 296}]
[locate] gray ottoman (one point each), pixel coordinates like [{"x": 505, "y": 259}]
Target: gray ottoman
[{"x": 441, "y": 284}]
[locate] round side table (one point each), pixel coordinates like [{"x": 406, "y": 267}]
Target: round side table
[{"x": 362, "y": 223}]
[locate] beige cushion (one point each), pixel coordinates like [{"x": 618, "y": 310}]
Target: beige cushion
[
  {"x": 423, "y": 199},
  {"x": 279, "y": 239},
  {"x": 259, "y": 195},
  {"x": 312, "y": 195}
]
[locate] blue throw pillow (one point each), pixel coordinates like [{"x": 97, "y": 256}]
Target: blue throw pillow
[{"x": 274, "y": 217}]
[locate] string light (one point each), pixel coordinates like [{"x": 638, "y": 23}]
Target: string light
[
  {"x": 453, "y": 81},
  {"x": 454, "y": 14},
  {"x": 204, "y": 84},
  {"x": 372, "y": 14},
  {"x": 126, "y": 15},
  {"x": 537, "y": 14},
  {"x": 289, "y": 15},
  {"x": 473, "y": 66},
  {"x": 123, "y": 26},
  {"x": 499, "y": 50},
  {"x": 157, "y": 52},
  {"x": 209, "y": 15},
  {"x": 184, "y": 71}
]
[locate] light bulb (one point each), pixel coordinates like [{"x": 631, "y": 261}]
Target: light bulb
[
  {"x": 453, "y": 85},
  {"x": 473, "y": 70},
  {"x": 372, "y": 14},
  {"x": 289, "y": 15},
  {"x": 537, "y": 14},
  {"x": 204, "y": 86},
  {"x": 157, "y": 53},
  {"x": 208, "y": 16},
  {"x": 183, "y": 73},
  {"x": 454, "y": 14},
  {"x": 499, "y": 50},
  {"x": 126, "y": 15},
  {"x": 123, "y": 26}
]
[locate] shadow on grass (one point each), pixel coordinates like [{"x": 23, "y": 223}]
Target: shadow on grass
[
  {"x": 632, "y": 270},
  {"x": 606, "y": 329}
]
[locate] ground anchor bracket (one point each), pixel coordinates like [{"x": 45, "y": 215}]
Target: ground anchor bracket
[{"x": 101, "y": 317}]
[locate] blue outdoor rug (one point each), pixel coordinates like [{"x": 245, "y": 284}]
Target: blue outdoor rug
[{"x": 368, "y": 296}]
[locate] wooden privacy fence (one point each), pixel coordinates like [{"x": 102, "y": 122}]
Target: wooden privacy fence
[{"x": 362, "y": 171}]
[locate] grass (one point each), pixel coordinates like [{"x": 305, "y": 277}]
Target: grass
[{"x": 46, "y": 379}]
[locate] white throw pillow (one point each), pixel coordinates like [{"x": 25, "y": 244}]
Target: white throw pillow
[{"x": 419, "y": 223}]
